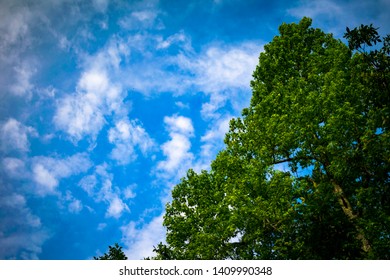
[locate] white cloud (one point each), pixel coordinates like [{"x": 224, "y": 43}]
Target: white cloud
[
  {"x": 47, "y": 171},
  {"x": 177, "y": 149},
  {"x": 117, "y": 52},
  {"x": 100, "y": 5},
  {"x": 218, "y": 131},
  {"x": 126, "y": 136},
  {"x": 182, "y": 105},
  {"x": 44, "y": 178},
  {"x": 144, "y": 16},
  {"x": 14, "y": 26},
  {"x": 97, "y": 95},
  {"x": 94, "y": 81},
  {"x": 83, "y": 113},
  {"x": 101, "y": 226},
  {"x": 21, "y": 232},
  {"x": 129, "y": 193},
  {"x": 13, "y": 201},
  {"x": 222, "y": 67},
  {"x": 75, "y": 206},
  {"x": 150, "y": 78},
  {"x": 216, "y": 69},
  {"x": 212, "y": 142},
  {"x": 14, "y": 136},
  {"x": 141, "y": 67},
  {"x": 99, "y": 187},
  {"x": 217, "y": 101},
  {"x": 117, "y": 206},
  {"x": 123, "y": 153},
  {"x": 178, "y": 39},
  {"x": 221, "y": 72},
  {"x": 179, "y": 124},
  {"x": 14, "y": 167},
  {"x": 88, "y": 184},
  {"x": 330, "y": 15},
  {"x": 23, "y": 86},
  {"x": 139, "y": 242},
  {"x": 79, "y": 116},
  {"x": 334, "y": 16},
  {"x": 314, "y": 9},
  {"x": 23, "y": 244},
  {"x": 110, "y": 195},
  {"x": 48, "y": 92}
]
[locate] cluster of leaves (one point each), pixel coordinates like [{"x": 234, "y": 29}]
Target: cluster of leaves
[
  {"x": 114, "y": 253},
  {"x": 306, "y": 171}
]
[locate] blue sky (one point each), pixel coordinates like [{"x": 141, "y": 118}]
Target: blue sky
[{"x": 105, "y": 104}]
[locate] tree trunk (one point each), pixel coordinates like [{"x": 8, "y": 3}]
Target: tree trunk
[{"x": 347, "y": 209}]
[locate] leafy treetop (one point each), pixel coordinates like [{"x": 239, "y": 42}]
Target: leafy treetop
[
  {"x": 114, "y": 253},
  {"x": 306, "y": 171}
]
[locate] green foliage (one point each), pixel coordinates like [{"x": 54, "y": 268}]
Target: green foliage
[
  {"x": 114, "y": 253},
  {"x": 306, "y": 171},
  {"x": 363, "y": 35}
]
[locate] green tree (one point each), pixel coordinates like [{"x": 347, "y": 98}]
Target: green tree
[
  {"x": 114, "y": 253},
  {"x": 305, "y": 173}
]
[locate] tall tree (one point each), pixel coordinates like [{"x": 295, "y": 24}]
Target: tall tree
[{"x": 306, "y": 171}]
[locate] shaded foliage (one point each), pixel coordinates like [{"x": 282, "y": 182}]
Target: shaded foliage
[{"x": 114, "y": 253}]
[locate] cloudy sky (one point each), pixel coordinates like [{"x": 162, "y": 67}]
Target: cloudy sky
[{"x": 105, "y": 104}]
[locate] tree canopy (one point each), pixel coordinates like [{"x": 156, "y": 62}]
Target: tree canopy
[
  {"x": 114, "y": 253},
  {"x": 305, "y": 172}
]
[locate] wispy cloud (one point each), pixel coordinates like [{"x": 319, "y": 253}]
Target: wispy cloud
[
  {"x": 127, "y": 136},
  {"x": 117, "y": 206},
  {"x": 101, "y": 226},
  {"x": 177, "y": 39},
  {"x": 140, "y": 240},
  {"x": 101, "y": 5},
  {"x": 314, "y": 9},
  {"x": 144, "y": 16},
  {"x": 14, "y": 136},
  {"x": 334, "y": 16},
  {"x": 23, "y": 86},
  {"x": 221, "y": 67},
  {"x": 139, "y": 237},
  {"x": 74, "y": 205},
  {"x": 221, "y": 72},
  {"x": 99, "y": 186},
  {"x": 82, "y": 114},
  {"x": 14, "y": 26},
  {"x": 14, "y": 167},
  {"x": 98, "y": 94},
  {"x": 139, "y": 19},
  {"x": 129, "y": 192},
  {"x": 177, "y": 149},
  {"x": 211, "y": 143},
  {"x": 22, "y": 235},
  {"x": 48, "y": 171}
]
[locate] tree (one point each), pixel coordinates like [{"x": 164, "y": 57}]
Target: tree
[
  {"x": 305, "y": 173},
  {"x": 114, "y": 253}
]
